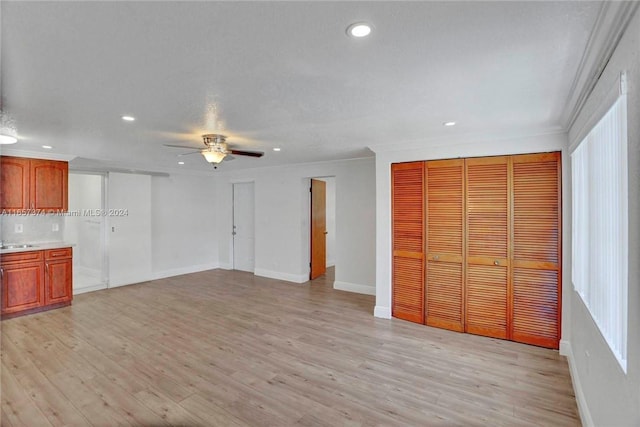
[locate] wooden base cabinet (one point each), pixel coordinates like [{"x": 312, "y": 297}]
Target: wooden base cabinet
[
  {"x": 35, "y": 281},
  {"x": 490, "y": 260},
  {"x": 22, "y": 287},
  {"x": 59, "y": 276}
]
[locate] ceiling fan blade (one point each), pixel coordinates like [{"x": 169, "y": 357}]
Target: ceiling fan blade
[
  {"x": 247, "y": 153},
  {"x": 180, "y": 146},
  {"x": 190, "y": 153}
]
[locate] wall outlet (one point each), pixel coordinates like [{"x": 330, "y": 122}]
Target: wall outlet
[
  {"x": 18, "y": 228},
  {"x": 55, "y": 227}
]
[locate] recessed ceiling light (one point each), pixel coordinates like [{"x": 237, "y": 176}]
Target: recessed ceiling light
[
  {"x": 48, "y": 147},
  {"x": 128, "y": 118},
  {"x": 449, "y": 123},
  {"x": 276, "y": 149},
  {"x": 359, "y": 29},
  {"x": 181, "y": 163}
]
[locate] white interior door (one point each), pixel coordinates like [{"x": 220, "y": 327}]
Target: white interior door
[{"x": 243, "y": 226}]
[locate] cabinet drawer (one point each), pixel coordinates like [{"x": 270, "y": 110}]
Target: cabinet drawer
[
  {"x": 21, "y": 257},
  {"x": 58, "y": 253}
]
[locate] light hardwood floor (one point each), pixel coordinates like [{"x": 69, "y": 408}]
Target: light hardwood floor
[{"x": 223, "y": 348}]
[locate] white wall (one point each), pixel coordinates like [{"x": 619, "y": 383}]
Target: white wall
[
  {"x": 183, "y": 225},
  {"x": 446, "y": 149},
  {"x": 282, "y": 221},
  {"x": 606, "y": 396},
  {"x": 170, "y": 229},
  {"x": 129, "y": 241}
]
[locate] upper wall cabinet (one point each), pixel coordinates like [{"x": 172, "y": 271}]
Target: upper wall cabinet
[
  {"x": 33, "y": 184},
  {"x": 14, "y": 183}
]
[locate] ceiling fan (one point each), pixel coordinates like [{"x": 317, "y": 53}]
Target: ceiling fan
[{"x": 217, "y": 149}]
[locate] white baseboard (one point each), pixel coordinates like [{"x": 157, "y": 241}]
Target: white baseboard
[
  {"x": 78, "y": 291},
  {"x": 583, "y": 409},
  {"x": 354, "y": 287},
  {"x": 382, "y": 312},
  {"x": 331, "y": 263},
  {"x": 288, "y": 277},
  {"x": 225, "y": 266},
  {"x": 183, "y": 270}
]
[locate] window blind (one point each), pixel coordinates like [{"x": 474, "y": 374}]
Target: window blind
[{"x": 600, "y": 225}]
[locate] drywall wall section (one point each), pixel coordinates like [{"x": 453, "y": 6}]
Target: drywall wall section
[
  {"x": 183, "y": 218},
  {"x": 282, "y": 221},
  {"x": 606, "y": 395},
  {"x": 448, "y": 149},
  {"x": 169, "y": 228},
  {"x": 129, "y": 236}
]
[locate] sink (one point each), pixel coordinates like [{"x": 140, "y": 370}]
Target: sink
[{"x": 17, "y": 246}]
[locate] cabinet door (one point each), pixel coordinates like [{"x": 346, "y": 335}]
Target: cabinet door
[
  {"x": 444, "y": 229},
  {"x": 58, "y": 281},
  {"x": 536, "y": 249},
  {"x": 407, "y": 182},
  {"x": 487, "y": 246},
  {"x": 49, "y": 185},
  {"x": 22, "y": 287},
  {"x": 14, "y": 183}
]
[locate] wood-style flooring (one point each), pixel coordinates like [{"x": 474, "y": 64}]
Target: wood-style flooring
[{"x": 226, "y": 348}]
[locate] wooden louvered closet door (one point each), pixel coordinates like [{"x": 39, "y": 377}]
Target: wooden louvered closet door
[
  {"x": 487, "y": 188},
  {"x": 536, "y": 249},
  {"x": 407, "y": 183},
  {"x": 444, "y": 228}
]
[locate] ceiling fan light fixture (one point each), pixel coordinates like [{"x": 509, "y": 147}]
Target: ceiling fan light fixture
[
  {"x": 8, "y": 131},
  {"x": 214, "y": 156}
]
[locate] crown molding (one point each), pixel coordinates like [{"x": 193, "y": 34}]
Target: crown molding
[
  {"x": 611, "y": 23},
  {"x": 467, "y": 138},
  {"x": 35, "y": 154}
]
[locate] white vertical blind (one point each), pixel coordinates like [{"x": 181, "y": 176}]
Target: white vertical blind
[{"x": 600, "y": 221}]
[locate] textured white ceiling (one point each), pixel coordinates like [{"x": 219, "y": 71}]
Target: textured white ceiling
[{"x": 283, "y": 74}]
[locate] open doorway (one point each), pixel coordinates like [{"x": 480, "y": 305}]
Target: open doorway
[
  {"x": 85, "y": 229},
  {"x": 322, "y": 226},
  {"x": 243, "y": 226}
]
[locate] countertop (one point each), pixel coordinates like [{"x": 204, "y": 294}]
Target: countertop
[{"x": 37, "y": 246}]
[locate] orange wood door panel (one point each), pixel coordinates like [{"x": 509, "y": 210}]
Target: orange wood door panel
[
  {"x": 407, "y": 206},
  {"x": 445, "y": 248},
  {"x": 318, "y": 228},
  {"x": 536, "y": 249},
  {"x": 58, "y": 281},
  {"x": 49, "y": 185},
  {"x": 22, "y": 286},
  {"x": 487, "y": 248},
  {"x": 14, "y": 183}
]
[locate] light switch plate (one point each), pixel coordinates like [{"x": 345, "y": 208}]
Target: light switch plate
[
  {"x": 55, "y": 227},
  {"x": 18, "y": 228}
]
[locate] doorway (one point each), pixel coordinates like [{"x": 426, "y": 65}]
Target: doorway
[
  {"x": 85, "y": 229},
  {"x": 322, "y": 226},
  {"x": 243, "y": 227}
]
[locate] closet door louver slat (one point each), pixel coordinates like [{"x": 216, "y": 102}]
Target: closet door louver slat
[
  {"x": 407, "y": 183},
  {"x": 487, "y": 246},
  {"x": 536, "y": 249},
  {"x": 444, "y": 229}
]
